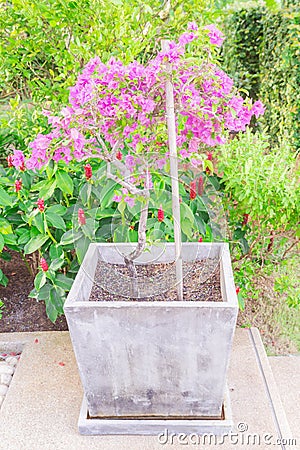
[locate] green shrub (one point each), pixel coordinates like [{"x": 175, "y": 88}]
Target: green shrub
[
  {"x": 44, "y": 44},
  {"x": 262, "y": 54},
  {"x": 262, "y": 189}
]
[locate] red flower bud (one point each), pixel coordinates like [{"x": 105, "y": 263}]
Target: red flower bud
[
  {"x": 22, "y": 167},
  {"x": 200, "y": 239},
  {"x": 44, "y": 265},
  {"x": 200, "y": 185},
  {"x": 237, "y": 290},
  {"x": 10, "y": 161},
  {"x": 119, "y": 155},
  {"x": 209, "y": 156},
  {"x": 245, "y": 219},
  {"x": 41, "y": 204},
  {"x": 88, "y": 171},
  {"x": 81, "y": 217},
  {"x": 193, "y": 193},
  {"x": 18, "y": 185},
  {"x": 160, "y": 214}
]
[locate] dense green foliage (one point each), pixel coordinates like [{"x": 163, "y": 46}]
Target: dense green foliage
[
  {"x": 43, "y": 44},
  {"x": 262, "y": 54}
]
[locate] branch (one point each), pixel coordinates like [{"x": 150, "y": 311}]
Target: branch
[{"x": 126, "y": 184}]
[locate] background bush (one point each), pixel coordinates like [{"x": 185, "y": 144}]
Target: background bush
[
  {"x": 262, "y": 54},
  {"x": 44, "y": 44}
]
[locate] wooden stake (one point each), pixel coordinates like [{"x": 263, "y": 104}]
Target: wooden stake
[{"x": 174, "y": 179}]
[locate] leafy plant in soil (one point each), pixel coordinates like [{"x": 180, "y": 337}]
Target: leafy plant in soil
[{"x": 116, "y": 123}]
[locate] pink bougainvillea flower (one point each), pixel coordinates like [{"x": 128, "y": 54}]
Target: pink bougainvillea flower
[
  {"x": 161, "y": 163},
  {"x": 44, "y": 265},
  {"x": 130, "y": 201},
  {"x": 215, "y": 35},
  {"x": 192, "y": 26},
  {"x": 129, "y": 161},
  {"x": 81, "y": 217},
  {"x": 117, "y": 198},
  {"x": 18, "y": 159},
  {"x": 186, "y": 38},
  {"x": 195, "y": 162},
  {"x": 258, "y": 108}
]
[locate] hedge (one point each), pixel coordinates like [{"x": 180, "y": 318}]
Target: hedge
[{"x": 262, "y": 53}]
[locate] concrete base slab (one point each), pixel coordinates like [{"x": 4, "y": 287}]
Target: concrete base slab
[
  {"x": 41, "y": 408},
  {"x": 286, "y": 371},
  {"x": 104, "y": 426}
]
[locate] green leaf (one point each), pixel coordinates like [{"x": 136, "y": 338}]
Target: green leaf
[
  {"x": 51, "y": 310},
  {"x": 63, "y": 281},
  {"x": 48, "y": 189},
  {"x": 35, "y": 243},
  {"x": 81, "y": 248},
  {"x": 241, "y": 301},
  {"x": 38, "y": 222},
  {"x": 24, "y": 236},
  {"x": 55, "y": 220},
  {"x": 89, "y": 229},
  {"x": 70, "y": 237},
  {"x": 121, "y": 234},
  {"x": 107, "y": 193},
  {"x": 57, "y": 209},
  {"x": 186, "y": 213},
  {"x": 1, "y": 242},
  {"x": 3, "y": 279},
  {"x": 10, "y": 239},
  {"x": 64, "y": 182},
  {"x": 5, "y": 199},
  {"x": 33, "y": 293},
  {"x": 5, "y": 227},
  {"x": 43, "y": 293},
  {"x": 39, "y": 280},
  {"x": 187, "y": 228},
  {"x": 56, "y": 252},
  {"x": 56, "y": 264}
]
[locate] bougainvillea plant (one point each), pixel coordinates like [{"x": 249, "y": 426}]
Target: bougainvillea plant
[{"x": 117, "y": 113}]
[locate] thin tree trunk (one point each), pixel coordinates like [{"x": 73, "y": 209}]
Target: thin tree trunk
[{"x": 174, "y": 179}]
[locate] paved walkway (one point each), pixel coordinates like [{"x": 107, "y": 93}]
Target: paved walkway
[{"x": 41, "y": 409}]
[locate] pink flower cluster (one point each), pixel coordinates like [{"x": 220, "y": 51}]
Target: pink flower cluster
[{"x": 114, "y": 102}]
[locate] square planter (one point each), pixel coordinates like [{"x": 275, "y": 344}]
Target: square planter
[{"x": 152, "y": 359}]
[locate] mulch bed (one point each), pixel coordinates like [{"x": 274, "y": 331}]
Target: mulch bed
[
  {"x": 21, "y": 313},
  {"x": 156, "y": 282}
]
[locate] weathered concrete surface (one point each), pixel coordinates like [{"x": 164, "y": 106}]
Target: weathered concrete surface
[
  {"x": 153, "y": 358},
  {"x": 42, "y": 406},
  {"x": 286, "y": 370}
]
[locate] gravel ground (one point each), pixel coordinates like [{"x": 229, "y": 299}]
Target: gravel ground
[{"x": 8, "y": 362}]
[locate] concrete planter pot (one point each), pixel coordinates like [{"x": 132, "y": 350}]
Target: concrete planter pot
[{"x": 152, "y": 359}]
